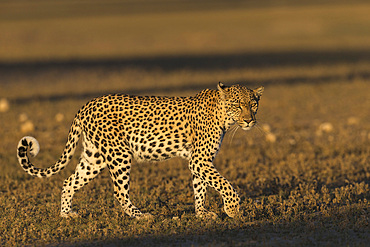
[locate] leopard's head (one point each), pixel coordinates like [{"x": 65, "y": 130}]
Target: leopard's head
[{"x": 241, "y": 104}]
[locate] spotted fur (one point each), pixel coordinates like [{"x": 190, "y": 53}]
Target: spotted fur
[{"x": 118, "y": 128}]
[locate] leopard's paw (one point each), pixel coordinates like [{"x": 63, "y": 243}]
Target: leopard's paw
[
  {"x": 145, "y": 216},
  {"x": 232, "y": 211},
  {"x": 70, "y": 214},
  {"x": 207, "y": 215}
]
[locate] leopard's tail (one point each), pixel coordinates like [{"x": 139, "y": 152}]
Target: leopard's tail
[{"x": 30, "y": 144}]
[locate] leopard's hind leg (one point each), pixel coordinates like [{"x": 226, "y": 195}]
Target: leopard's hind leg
[
  {"x": 119, "y": 169},
  {"x": 90, "y": 165}
]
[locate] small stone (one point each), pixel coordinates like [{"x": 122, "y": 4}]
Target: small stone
[
  {"x": 292, "y": 142},
  {"x": 270, "y": 137},
  {"x": 326, "y": 127},
  {"x": 353, "y": 120},
  {"x": 59, "y": 117},
  {"x": 4, "y": 105},
  {"x": 27, "y": 127},
  {"x": 266, "y": 128},
  {"x": 23, "y": 117}
]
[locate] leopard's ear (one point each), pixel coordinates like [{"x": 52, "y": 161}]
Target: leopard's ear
[
  {"x": 222, "y": 88},
  {"x": 258, "y": 92}
]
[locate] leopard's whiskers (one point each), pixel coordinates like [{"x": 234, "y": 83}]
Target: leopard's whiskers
[
  {"x": 258, "y": 126},
  {"x": 233, "y": 131}
]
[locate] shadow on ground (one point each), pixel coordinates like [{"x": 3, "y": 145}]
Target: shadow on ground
[{"x": 195, "y": 63}]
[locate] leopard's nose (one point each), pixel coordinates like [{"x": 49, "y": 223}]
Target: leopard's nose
[{"x": 250, "y": 122}]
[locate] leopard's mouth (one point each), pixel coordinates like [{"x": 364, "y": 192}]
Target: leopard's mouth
[{"x": 247, "y": 125}]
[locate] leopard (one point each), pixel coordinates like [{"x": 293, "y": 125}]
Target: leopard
[{"x": 119, "y": 128}]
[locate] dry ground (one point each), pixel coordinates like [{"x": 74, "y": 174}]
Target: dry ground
[{"x": 303, "y": 173}]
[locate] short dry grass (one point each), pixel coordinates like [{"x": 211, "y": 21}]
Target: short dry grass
[{"x": 303, "y": 173}]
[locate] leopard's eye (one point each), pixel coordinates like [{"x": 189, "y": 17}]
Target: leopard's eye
[
  {"x": 254, "y": 106},
  {"x": 237, "y": 106}
]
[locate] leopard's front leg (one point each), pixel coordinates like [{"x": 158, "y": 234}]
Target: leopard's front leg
[
  {"x": 207, "y": 173},
  {"x": 200, "y": 189}
]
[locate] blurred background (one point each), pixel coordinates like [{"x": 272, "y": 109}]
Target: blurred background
[{"x": 89, "y": 47}]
